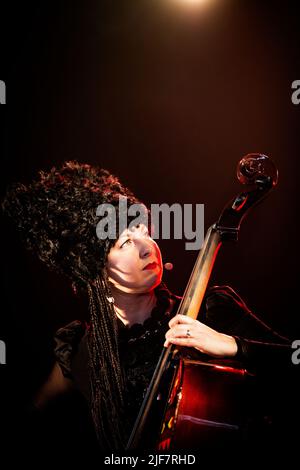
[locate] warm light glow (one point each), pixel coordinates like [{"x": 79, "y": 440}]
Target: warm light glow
[
  {"x": 192, "y": 2},
  {"x": 191, "y": 5}
]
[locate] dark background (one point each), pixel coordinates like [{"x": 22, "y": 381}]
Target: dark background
[{"x": 169, "y": 98}]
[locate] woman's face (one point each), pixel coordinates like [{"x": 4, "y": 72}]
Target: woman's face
[{"x": 134, "y": 263}]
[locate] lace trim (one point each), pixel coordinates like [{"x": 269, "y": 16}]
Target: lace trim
[{"x": 160, "y": 315}]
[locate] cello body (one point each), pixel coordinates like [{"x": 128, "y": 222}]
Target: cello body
[{"x": 209, "y": 404}]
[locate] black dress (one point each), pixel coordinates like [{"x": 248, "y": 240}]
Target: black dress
[{"x": 261, "y": 349}]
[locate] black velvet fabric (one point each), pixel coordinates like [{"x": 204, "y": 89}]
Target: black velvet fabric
[{"x": 260, "y": 348}]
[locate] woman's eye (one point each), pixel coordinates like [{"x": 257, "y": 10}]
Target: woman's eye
[{"x": 126, "y": 241}]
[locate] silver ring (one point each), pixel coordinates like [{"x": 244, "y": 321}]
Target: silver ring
[{"x": 188, "y": 333}]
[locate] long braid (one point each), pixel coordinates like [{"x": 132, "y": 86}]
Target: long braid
[{"x": 106, "y": 378}]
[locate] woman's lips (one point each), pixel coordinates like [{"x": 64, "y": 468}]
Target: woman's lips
[{"x": 150, "y": 266}]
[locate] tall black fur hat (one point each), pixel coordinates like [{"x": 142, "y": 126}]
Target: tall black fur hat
[{"x": 56, "y": 217}]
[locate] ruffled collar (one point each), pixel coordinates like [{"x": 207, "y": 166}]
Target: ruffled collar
[{"x": 160, "y": 314}]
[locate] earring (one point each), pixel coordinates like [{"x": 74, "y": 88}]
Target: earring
[{"x": 168, "y": 266}]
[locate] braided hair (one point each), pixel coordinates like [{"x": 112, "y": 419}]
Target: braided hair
[{"x": 56, "y": 218}]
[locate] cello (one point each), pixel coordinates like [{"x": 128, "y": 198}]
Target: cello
[{"x": 190, "y": 400}]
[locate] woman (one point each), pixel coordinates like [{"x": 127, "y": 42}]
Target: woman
[{"x": 132, "y": 313}]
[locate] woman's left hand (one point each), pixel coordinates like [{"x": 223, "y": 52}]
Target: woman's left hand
[{"x": 184, "y": 331}]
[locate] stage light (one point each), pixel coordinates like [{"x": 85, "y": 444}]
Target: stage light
[
  {"x": 192, "y": 2},
  {"x": 191, "y": 5}
]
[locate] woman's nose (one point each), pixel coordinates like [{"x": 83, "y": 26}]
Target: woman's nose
[{"x": 145, "y": 249}]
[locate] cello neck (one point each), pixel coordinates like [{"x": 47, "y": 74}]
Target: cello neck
[
  {"x": 189, "y": 305},
  {"x": 197, "y": 284}
]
